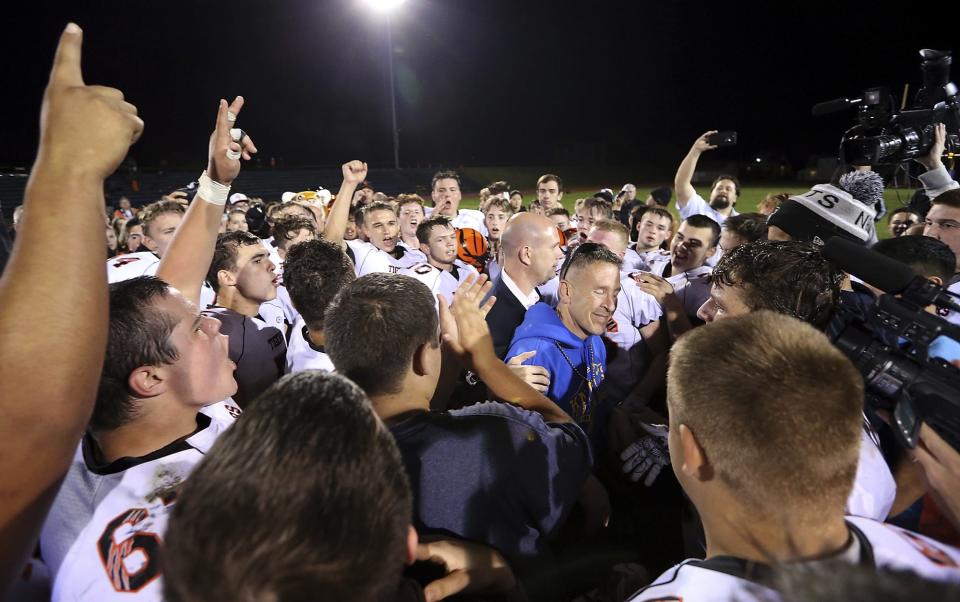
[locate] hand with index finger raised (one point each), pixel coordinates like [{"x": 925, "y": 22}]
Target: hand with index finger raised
[{"x": 85, "y": 129}]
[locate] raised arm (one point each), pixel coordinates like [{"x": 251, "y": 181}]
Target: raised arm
[
  {"x": 184, "y": 266},
  {"x": 682, "y": 182},
  {"x": 53, "y": 305},
  {"x": 465, "y": 331},
  {"x": 354, "y": 172},
  {"x": 936, "y": 180}
]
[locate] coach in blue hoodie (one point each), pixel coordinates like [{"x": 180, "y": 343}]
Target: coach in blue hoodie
[{"x": 567, "y": 340}]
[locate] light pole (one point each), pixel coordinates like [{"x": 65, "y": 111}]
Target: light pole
[{"x": 386, "y": 7}]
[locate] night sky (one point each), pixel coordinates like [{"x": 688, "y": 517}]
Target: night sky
[{"x": 488, "y": 82}]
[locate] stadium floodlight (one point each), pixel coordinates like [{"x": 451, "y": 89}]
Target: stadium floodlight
[{"x": 384, "y": 6}]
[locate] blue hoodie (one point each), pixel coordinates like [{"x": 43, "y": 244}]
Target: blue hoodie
[{"x": 543, "y": 332}]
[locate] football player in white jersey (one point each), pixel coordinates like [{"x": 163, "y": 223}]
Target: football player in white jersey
[
  {"x": 53, "y": 305},
  {"x": 443, "y": 272},
  {"x": 159, "y": 222},
  {"x": 243, "y": 276},
  {"x": 683, "y": 284},
  {"x": 383, "y": 253},
  {"x": 446, "y": 197},
  {"x": 654, "y": 225},
  {"x": 165, "y": 362},
  {"x": 765, "y": 445},
  {"x": 410, "y": 213},
  {"x": 792, "y": 277},
  {"x": 316, "y": 270}
]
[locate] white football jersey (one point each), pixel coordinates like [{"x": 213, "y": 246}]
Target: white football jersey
[
  {"x": 369, "y": 259},
  {"x": 692, "y": 286},
  {"x": 114, "y": 555},
  {"x": 131, "y": 265},
  {"x": 302, "y": 354},
  {"x": 470, "y": 218},
  {"x": 145, "y": 263},
  {"x": 874, "y": 544},
  {"x": 441, "y": 281},
  {"x": 646, "y": 261},
  {"x": 626, "y": 364},
  {"x": 874, "y": 488}
]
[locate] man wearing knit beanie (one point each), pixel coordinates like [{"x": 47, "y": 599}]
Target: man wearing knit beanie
[{"x": 824, "y": 212}]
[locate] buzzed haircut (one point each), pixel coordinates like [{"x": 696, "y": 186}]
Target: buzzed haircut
[
  {"x": 613, "y": 226},
  {"x": 242, "y": 212},
  {"x": 550, "y": 178},
  {"x": 225, "y": 254},
  {"x": 286, "y": 228},
  {"x": 444, "y": 175},
  {"x": 558, "y": 211},
  {"x": 587, "y": 254},
  {"x": 748, "y": 226},
  {"x": 702, "y": 221},
  {"x": 786, "y": 276},
  {"x": 313, "y": 273},
  {"x": 305, "y": 497},
  {"x": 601, "y": 206},
  {"x": 434, "y": 221},
  {"x": 925, "y": 255},
  {"x": 139, "y": 335},
  {"x": 154, "y": 210},
  {"x": 778, "y": 413},
  {"x": 375, "y": 325},
  {"x": 500, "y": 203},
  {"x": 736, "y": 182}
]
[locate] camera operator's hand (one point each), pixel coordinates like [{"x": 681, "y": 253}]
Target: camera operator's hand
[
  {"x": 703, "y": 143},
  {"x": 220, "y": 166},
  {"x": 354, "y": 172},
  {"x": 84, "y": 129},
  {"x": 471, "y": 568},
  {"x": 941, "y": 467},
  {"x": 537, "y": 377},
  {"x": 934, "y": 159}
]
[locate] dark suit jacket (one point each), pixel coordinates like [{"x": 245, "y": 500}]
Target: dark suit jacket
[{"x": 507, "y": 314}]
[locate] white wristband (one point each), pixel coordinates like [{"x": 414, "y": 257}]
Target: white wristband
[{"x": 212, "y": 192}]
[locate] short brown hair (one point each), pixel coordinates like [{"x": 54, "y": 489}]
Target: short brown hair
[
  {"x": 444, "y": 175},
  {"x": 778, "y": 412},
  {"x": 408, "y": 199},
  {"x": 950, "y": 198},
  {"x": 549, "y": 177},
  {"x": 500, "y": 203},
  {"x": 225, "y": 254},
  {"x": 154, "y": 210},
  {"x": 602, "y": 206},
  {"x": 748, "y": 226},
  {"x": 558, "y": 211},
  {"x": 613, "y": 226}
]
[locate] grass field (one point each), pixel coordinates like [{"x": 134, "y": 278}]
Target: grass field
[{"x": 749, "y": 197}]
